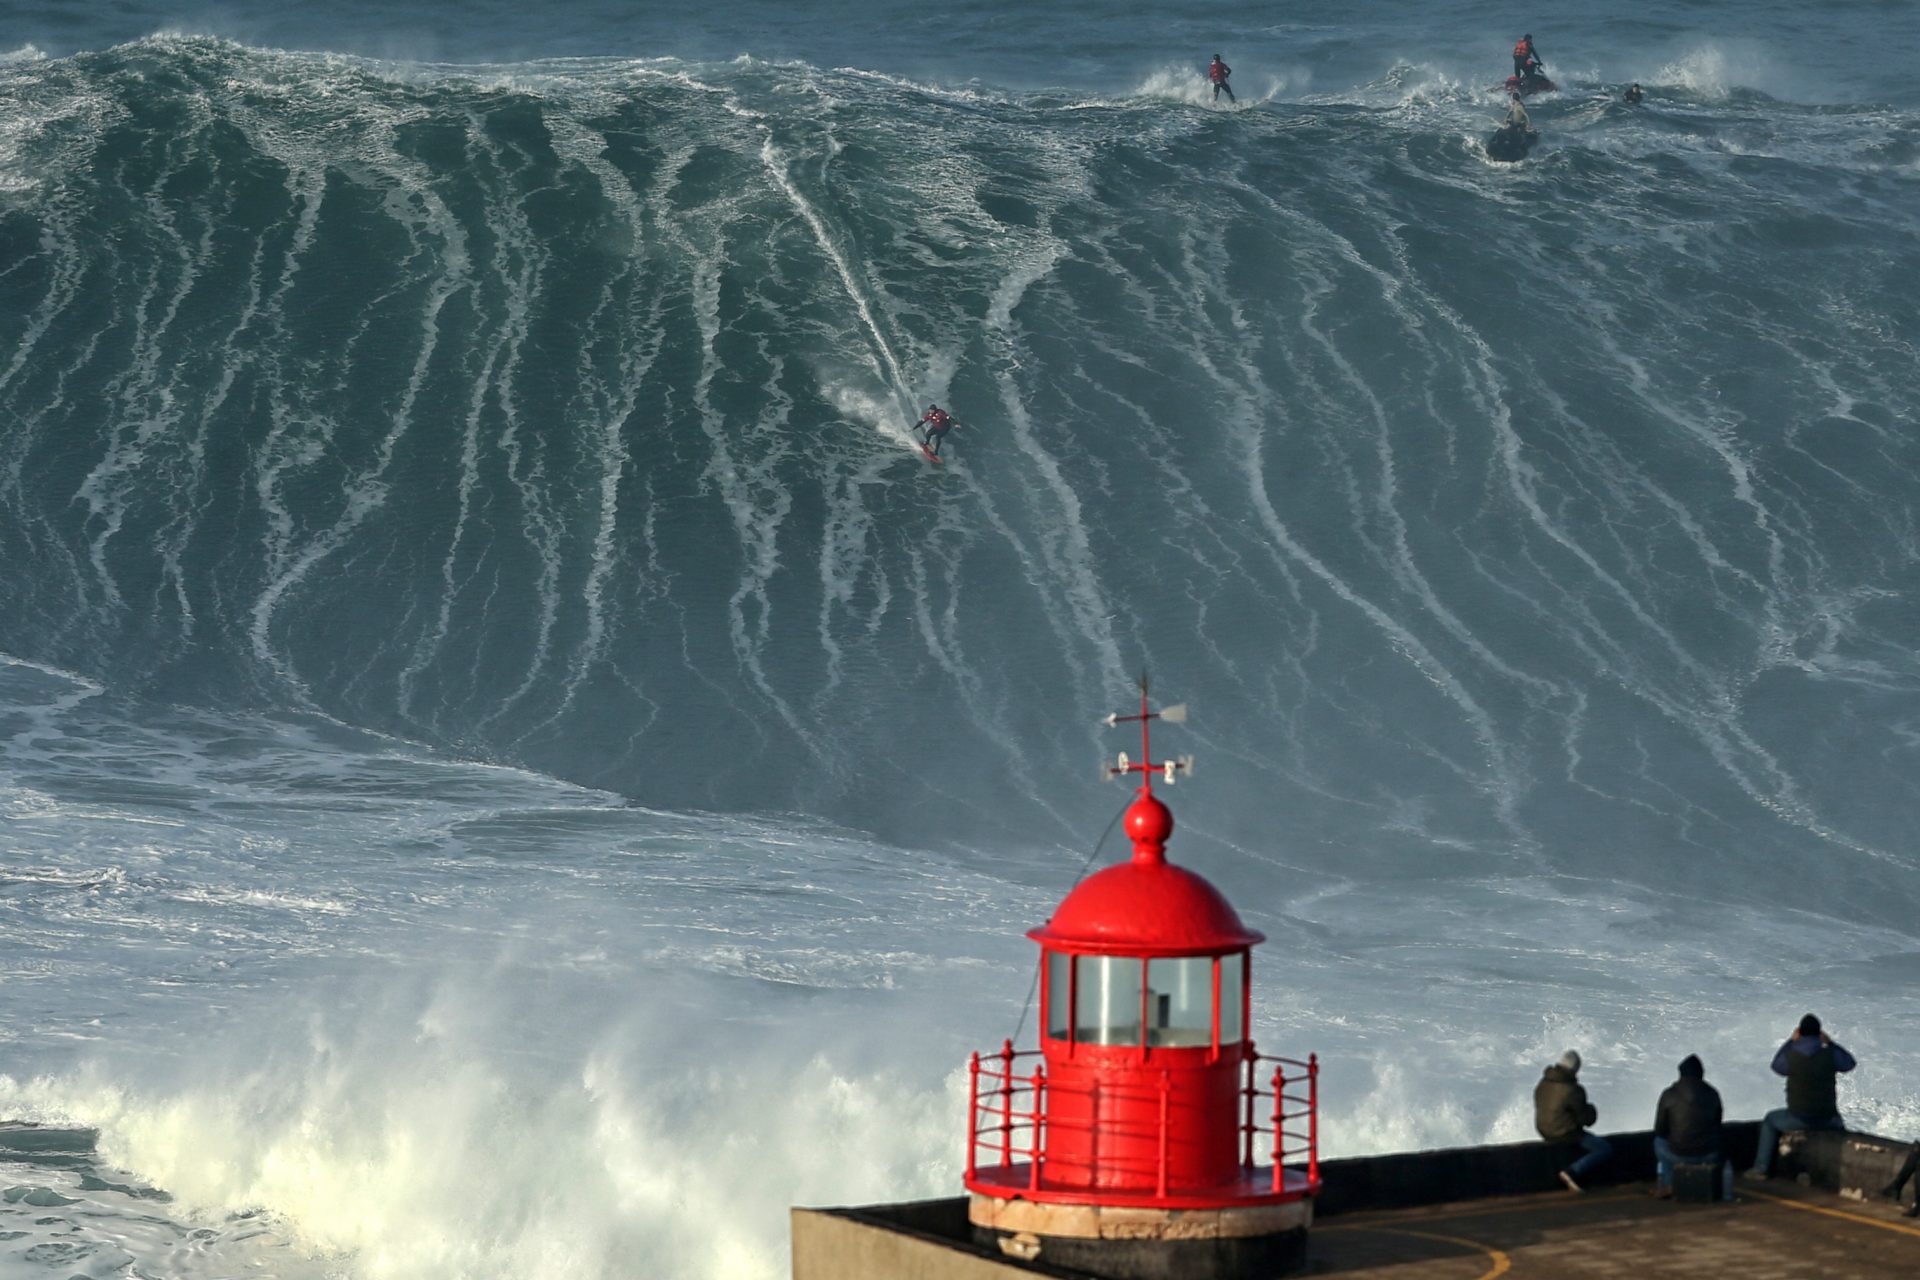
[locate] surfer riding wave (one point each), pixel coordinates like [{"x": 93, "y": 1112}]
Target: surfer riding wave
[{"x": 935, "y": 422}]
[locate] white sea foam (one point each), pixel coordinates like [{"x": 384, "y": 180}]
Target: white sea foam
[
  {"x": 401, "y": 1142},
  {"x": 1191, "y": 86}
]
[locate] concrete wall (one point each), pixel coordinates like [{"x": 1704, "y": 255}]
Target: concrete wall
[
  {"x": 1850, "y": 1164},
  {"x": 1846, "y": 1163},
  {"x": 917, "y": 1240},
  {"x": 1466, "y": 1173}
]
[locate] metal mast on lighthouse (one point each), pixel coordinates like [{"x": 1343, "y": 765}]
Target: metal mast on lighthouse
[{"x": 1146, "y": 1132}]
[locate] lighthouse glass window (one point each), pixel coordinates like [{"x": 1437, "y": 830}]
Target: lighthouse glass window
[
  {"x": 1180, "y": 1002},
  {"x": 1109, "y": 1000},
  {"x": 1059, "y": 994},
  {"x": 1232, "y": 986}
]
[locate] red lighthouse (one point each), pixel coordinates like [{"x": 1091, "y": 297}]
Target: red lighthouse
[{"x": 1145, "y": 1137}]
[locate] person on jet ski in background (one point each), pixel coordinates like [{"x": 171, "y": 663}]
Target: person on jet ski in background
[
  {"x": 1218, "y": 71},
  {"x": 938, "y": 422},
  {"x": 1633, "y": 95},
  {"x": 1526, "y": 59}
]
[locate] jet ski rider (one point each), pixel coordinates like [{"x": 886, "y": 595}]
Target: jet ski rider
[
  {"x": 1526, "y": 58},
  {"x": 1517, "y": 119}
]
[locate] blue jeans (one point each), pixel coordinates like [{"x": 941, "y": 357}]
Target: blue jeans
[
  {"x": 1782, "y": 1121},
  {"x": 1597, "y": 1150},
  {"x": 1664, "y": 1158}
]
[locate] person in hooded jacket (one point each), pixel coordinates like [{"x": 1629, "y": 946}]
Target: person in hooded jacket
[
  {"x": 1686, "y": 1128},
  {"x": 1561, "y": 1114},
  {"x": 1812, "y": 1063}
]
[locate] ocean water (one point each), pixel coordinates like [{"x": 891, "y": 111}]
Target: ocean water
[{"x": 511, "y": 765}]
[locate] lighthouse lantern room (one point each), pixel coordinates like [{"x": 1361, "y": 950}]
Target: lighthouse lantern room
[{"x": 1146, "y": 1136}]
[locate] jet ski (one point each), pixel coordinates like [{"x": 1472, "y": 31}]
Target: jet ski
[
  {"x": 1527, "y": 86},
  {"x": 1510, "y": 143}
]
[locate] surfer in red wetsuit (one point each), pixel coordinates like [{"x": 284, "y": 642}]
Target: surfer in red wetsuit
[
  {"x": 1218, "y": 71},
  {"x": 937, "y": 422}
]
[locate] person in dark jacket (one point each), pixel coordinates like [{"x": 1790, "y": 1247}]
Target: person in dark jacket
[
  {"x": 1686, "y": 1128},
  {"x": 1812, "y": 1063},
  {"x": 1561, "y": 1114}
]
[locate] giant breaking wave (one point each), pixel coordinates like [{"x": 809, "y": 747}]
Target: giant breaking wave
[{"x": 554, "y": 415}]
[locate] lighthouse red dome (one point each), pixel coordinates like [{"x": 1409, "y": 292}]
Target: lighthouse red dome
[{"x": 1146, "y": 906}]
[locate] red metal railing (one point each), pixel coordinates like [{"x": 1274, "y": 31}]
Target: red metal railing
[
  {"x": 1007, "y": 1116},
  {"x": 1303, "y": 1078},
  {"x": 1009, "y": 1105}
]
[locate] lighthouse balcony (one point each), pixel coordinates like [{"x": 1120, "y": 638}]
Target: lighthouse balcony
[{"x": 1079, "y": 1139}]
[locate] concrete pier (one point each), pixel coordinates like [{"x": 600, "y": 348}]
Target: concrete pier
[{"x": 1479, "y": 1213}]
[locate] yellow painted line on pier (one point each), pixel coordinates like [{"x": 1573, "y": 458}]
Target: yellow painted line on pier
[
  {"x": 1841, "y": 1214},
  {"x": 1501, "y": 1263}
]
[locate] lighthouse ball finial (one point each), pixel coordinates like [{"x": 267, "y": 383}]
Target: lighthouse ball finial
[{"x": 1149, "y": 823}]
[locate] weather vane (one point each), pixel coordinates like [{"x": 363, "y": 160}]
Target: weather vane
[{"x": 1146, "y": 766}]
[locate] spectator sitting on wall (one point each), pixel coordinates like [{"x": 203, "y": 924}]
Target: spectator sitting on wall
[
  {"x": 1562, "y": 1113},
  {"x": 1686, "y": 1128},
  {"x": 1811, "y": 1062}
]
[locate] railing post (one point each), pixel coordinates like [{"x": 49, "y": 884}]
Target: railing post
[
  {"x": 1247, "y": 1090},
  {"x": 1006, "y": 1104},
  {"x": 973, "y": 1112},
  {"x": 1313, "y": 1118},
  {"x": 1279, "y": 1128},
  {"x": 1166, "y": 1089},
  {"x": 1033, "y": 1169}
]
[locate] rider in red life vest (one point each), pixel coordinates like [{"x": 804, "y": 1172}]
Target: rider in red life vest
[
  {"x": 1218, "y": 71},
  {"x": 938, "y": 422},
  {"x": 1526, "y": 59}
]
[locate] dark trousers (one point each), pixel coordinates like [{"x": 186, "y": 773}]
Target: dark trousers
[
  {"x": 1219, "y": 86},
  {"x": 934, "y": 435},
  {"x": 1520, "y": 65},
  {"x": 1907, "y": 1170}
]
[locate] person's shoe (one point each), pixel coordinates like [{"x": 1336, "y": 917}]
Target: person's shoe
[
  {"x": 1912, "y": 1210},
  {"x": 1754, "y": 1175},
  {"x": 1661, "y": 1193},
  {"x": 1568, "y": 1179},
  {"x": 1891, "y": 1191}
]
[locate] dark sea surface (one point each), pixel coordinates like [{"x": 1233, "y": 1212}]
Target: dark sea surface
[{"x": 492, "y": 699}]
